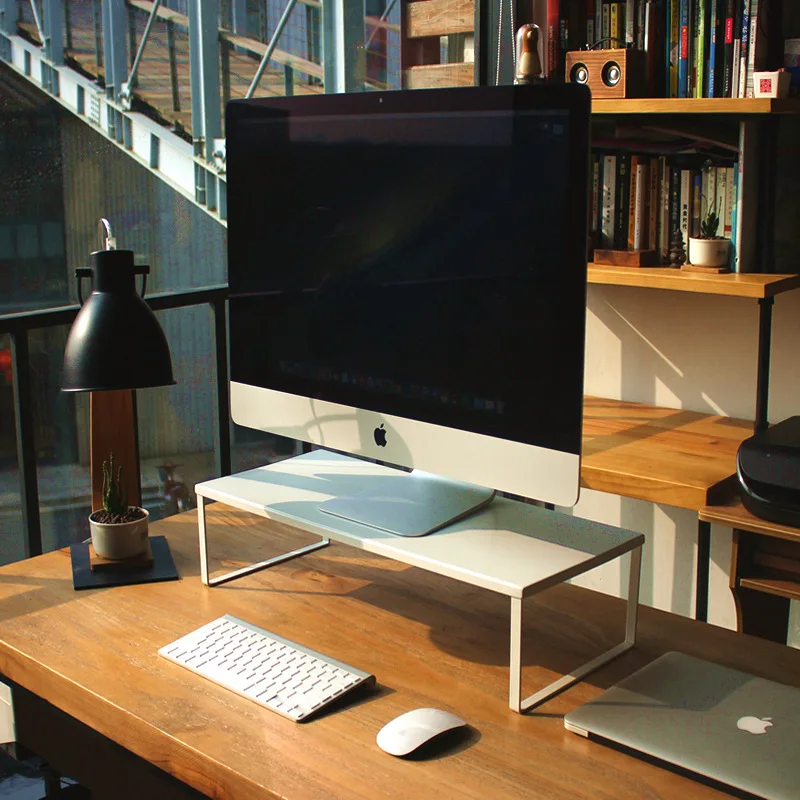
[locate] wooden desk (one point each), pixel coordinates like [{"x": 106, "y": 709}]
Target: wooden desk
[
  {"x": 765, "y": 569},
  {"x": 430, "y": 640}
]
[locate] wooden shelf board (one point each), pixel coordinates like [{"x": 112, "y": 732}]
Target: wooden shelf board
[
  {"x": 777, "y": 586},
  {"x": 731, "y": 284},
  {"x": 676, "y": 105},
  {"x": 663, "y": 455},
  {"x": 735, "y": 515}
]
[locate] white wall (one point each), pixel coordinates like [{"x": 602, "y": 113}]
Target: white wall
[{"x": 693, "y": 352}]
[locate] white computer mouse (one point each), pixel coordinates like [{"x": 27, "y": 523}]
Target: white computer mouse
[{"x": 406, "y": 733}]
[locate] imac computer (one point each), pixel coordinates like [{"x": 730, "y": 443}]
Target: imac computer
[{"x": 407, "y": 276}]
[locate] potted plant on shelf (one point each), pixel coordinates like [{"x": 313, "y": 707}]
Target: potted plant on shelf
[
  {"x": 709, "y": 249},
  {"x": 119, "y": 531}
]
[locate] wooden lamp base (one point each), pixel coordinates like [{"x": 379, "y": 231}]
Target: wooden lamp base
[{"x": 626, "y": 258}]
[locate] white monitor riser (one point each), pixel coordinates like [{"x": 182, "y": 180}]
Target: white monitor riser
[{"x": 512, "y": 548}]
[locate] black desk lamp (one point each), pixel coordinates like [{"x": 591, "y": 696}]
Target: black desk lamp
[{"x": 115, "y": 345}]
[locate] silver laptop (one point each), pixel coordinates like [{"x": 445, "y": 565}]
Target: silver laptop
[{"x": 717, "y": 722}]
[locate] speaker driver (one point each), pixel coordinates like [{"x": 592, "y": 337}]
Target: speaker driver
[
  {"x": 579, "y": 73},
  {"x": 612, "y": 73}
]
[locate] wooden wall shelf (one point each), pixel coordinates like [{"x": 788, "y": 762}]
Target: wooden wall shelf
[
  {"x": 664, "y": 455},
  {"x": 682, "y": 105},
  {"x": 733, "y": 284}
]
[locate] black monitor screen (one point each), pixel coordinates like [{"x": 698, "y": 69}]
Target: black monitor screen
[{"x": 419, "y": 253}]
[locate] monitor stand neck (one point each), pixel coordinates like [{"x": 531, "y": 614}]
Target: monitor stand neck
[{"x": 409, "y": 503}]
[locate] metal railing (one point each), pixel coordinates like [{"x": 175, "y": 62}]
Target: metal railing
[{"x": 19, "y": 325}]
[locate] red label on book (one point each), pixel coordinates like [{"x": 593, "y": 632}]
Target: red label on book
[
  {"x": 729, "y": 30},
  {"x": 684, "y": 42}
]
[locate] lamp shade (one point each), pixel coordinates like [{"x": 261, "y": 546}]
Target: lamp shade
[{"x": 115, "y": 341}]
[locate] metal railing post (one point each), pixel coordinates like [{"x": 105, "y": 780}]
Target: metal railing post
[
  {"x": 115, "y": 39},
  {"x": 26, "y": 444}
]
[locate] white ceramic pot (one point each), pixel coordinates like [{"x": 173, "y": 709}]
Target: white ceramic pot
[
  {"x": 709, "y": 252},
  {"x": 121, "y": 539}
]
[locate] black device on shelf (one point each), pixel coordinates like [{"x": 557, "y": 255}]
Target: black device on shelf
[{"x": 768, "y": 468}]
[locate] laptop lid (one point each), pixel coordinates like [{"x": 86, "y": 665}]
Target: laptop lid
[{"x": 729, "y": 726}]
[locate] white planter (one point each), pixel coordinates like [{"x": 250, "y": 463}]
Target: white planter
[
  {"x": 121, "y": 539},
  {"x": 709, "y": 252}
]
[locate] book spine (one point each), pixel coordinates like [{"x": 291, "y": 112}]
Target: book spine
[
  {"x": 721, "y": 202},
  {"x": 552, "y": 36},
  {"x": 737, "y": 45},
  {"x": 594, "y": 198},
  {"x": 598, "y": 21},
  {"x": 640, "y": 226},
  {"x": 713, "y": 30},
  {"x": 607, "y": 25},
  {"x": 652, "y": 205},
  {"x": 756, "y": 48},
  {"x": 735, "y": 220},
  {"x": 683, "y": 51},
  {"x": 727, "y": 75},
  {"x": 623, "y": 199},
  {"x": 664, "y": 209},
  {"x": 609, "y": 201},
  {"x": 730, "y": 203},
  {"x": 743, "y": 47},
  {"x": 697, "y": 194},
  {"x": 674, "y": 46},
  {"x": 686, "y": 206},
  {"x": 635, "y": 161},
  {"x": 614, "y": 22},
  {"x": 630, "y": 20},
  {"x": 699, "y": 59},
  {"x": 590, "y": 38}
]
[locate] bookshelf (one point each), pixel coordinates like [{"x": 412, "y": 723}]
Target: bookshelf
[{"x": 636, "y": 460}]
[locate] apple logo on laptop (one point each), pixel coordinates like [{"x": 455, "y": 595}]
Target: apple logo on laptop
[
  {"x": 380, "y": 436},
  {"x": 754, "y": 724}
]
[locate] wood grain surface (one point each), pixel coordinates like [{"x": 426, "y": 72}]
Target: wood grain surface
[
  {"x": 680, "y": 458},
  {"x": 731, "y": 284},
  {"x": 430, "y": 641},
  {"x": 735, "y": 515}
]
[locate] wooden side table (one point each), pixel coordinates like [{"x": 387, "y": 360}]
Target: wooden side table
[{"x": 764, "y": 572}]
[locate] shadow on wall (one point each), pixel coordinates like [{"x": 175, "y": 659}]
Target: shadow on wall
[{"x": 677, "y": 350}]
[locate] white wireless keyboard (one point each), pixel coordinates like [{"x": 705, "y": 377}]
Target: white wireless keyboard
[{"x": 280, "y": 675}]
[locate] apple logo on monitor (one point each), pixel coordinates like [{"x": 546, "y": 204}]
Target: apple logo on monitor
[
  {"x": 754, "y": 724},
  {"x": 380, "y": 436}
]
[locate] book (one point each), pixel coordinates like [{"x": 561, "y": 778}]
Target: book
[
  {"x": 730, "y": 204},
  {"x": 642, "y": 206},
  {"x": 609, "y": 196},
  {"x": 594, "y": 197},
  {"x": 699, "y": 52},
  {"x": 651, "y": 234},
  {"x": 552, "y": 40},
  {"x": 630, "y": 22},
  {"x": 697, "y": 199},
  {"x": 713, "y": 34},
  {"x": 614, "y": 25},
  {"x": 623, "y": 188},
  {"x": 747, "y": 216},
  {"x": 674, "y": 30},
  {"x": 607, "y": 45},
  {"x": 674, "y": 202},
  {"x": 721, "y": 199},
  {"x": 757, "y": 44},
  {"x": 683, "y": 51},
  {"x": 727, "y": 74},
  {"x": 664, "y": 209},
  {"x": 737, "y": 44},
  {"x": 632, "y": 194},
  {"x": 745, "y": 37},
  {"x": 685, "y": 206}
]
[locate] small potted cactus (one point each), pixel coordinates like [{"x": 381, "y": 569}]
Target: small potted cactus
[
  {"x": 119, "y": 531},
  {"x": 709, "y": 249}
]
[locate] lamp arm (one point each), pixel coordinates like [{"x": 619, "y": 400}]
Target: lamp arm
[
  {"x": 81, "y": 272},
  {"x": 144, "y": 271}
]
